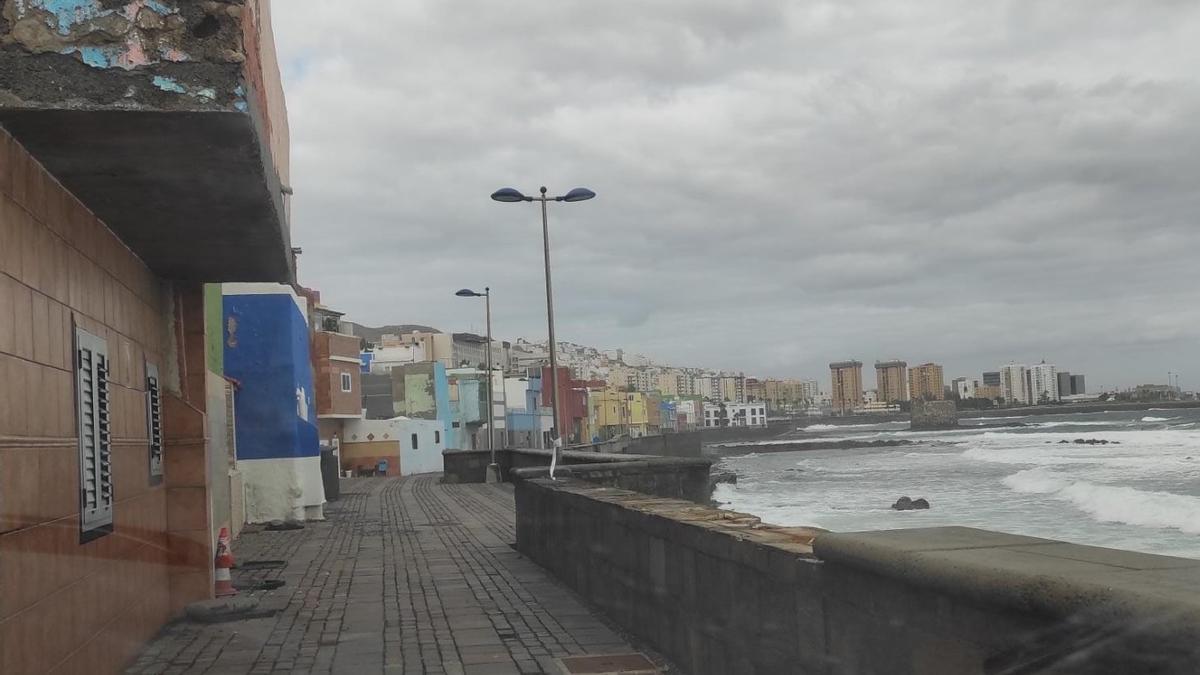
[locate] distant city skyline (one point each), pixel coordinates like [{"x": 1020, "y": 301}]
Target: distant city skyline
[
  {"x": 1095, "y": 382},
  {"x": 777, "y": 185}
]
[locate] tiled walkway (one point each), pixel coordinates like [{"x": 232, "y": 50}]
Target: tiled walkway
[{"x": 406, "y": 576}]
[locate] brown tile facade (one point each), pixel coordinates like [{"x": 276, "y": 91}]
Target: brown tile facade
[
  {"x": 334, "y": 354},
  {"x": 66, "y": 606}
]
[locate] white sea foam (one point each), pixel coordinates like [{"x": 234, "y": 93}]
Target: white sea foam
[
  {"x": 1113, "y": 503},
  {"x": 988, "y": 419},
  {"x": 1064, "y": 423},
  {"x": 839, "y": 427},
  {"x": 1148, "y": 418}
]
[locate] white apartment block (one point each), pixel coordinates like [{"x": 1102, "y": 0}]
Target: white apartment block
[
  {"x": 1014, "y": 384},
  {"x": 1043, "y": 383},
  {"x": 964, "y": 387},
  {"x": 810, "y": 390},
  {"x": 642, "y": 379},
  {"x": 736, "y": 415}
]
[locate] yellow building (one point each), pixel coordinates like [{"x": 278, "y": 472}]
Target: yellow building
[
  {"x": 891, "y": 381},
  {"x": 925, "y": 382},
  {"x": 612, "y": 413},
  {"x": 608, "y": 413},
  {"x": 644, "y": 416},
  {"x": 847, "y": 390}
]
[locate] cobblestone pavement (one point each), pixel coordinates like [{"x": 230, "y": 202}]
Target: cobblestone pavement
[{"x": 406, "y": 575}]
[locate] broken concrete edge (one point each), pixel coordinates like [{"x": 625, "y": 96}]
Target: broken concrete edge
[
  {"x": 626, "y": 465},
  {"x": 739, "y": 526},
  {"x": 222, "y": 609},
  {"x": 1003, "y": 570}
]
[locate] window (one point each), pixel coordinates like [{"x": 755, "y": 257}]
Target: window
[
  {"x": 347, "y": 383},
  {"x": 414, "y": 441},
  {"x": 154, "y": 423},
  {"x": 437, "y": 437},
  {"x": 95, "y": 457}
]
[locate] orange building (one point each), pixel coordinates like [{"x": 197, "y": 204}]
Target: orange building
[{"x": 925, "y": 382}]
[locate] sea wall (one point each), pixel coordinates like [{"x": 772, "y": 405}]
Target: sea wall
[
  {"x": 720, "y": 592},
  {"x": 684, "y": 443},
  {"x": 676, "y": 477}
]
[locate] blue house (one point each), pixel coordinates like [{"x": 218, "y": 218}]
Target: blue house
[{"x": 267, "y": 339}]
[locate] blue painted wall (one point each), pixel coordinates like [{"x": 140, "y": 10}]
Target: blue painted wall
[
  {"x": 267, "y": 352},
  {"x": 441, "y": 393}
]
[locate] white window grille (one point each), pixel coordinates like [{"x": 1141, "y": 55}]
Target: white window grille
[{"x": 95, "y": 452}]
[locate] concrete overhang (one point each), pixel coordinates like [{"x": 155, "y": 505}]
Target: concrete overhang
[{"x": 166, "y": 119}]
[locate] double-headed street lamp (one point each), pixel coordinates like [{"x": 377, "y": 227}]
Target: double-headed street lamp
[
  {"x": 577, "y": 195},
  {"x": 493, "y": 470}
]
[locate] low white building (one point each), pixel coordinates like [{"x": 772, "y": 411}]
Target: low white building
[
  {"x": 407, "y": 445},
  {"x": 383, "y": 359},
  {"x": 735, "y": 415}
]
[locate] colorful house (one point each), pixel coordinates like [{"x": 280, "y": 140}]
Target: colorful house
[
  {"x": 267, "y": 355},
  {"x": 402, "y": 446}
]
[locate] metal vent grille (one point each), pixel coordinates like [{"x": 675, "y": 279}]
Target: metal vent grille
[
  {"x": 154, "y": 422},
  {"x": 95, "y": 450}
]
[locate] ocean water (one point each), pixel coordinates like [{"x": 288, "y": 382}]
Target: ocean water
[{"x": 1140, "y": 492}]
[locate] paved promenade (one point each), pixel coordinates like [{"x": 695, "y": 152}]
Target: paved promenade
[{"x": 406, "y": 576}]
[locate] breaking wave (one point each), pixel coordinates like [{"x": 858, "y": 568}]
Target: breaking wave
[
  {"x": 1110, "y": 503},
  {"x": 839, "y": 427},
  {"x": 1148, "y": 418}
]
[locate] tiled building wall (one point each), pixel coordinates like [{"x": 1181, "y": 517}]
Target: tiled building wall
[
  {"x": 331, "y": 399},
  {"x": 66, "y": 606}
]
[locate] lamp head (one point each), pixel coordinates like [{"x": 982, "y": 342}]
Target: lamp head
[
  {"x": 510, "y": 195},
  {"x": 579, "y": 194}
]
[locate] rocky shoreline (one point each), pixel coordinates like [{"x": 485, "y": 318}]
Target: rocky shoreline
[{"x": 740, "y": 449}]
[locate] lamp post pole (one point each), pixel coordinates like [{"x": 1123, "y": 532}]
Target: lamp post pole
[
  {"x": 493, "y": 469},
  {"x": 487, "y": 299},
  {"x": 557, "y": 430},
  {"x": 575, "y": 195}
]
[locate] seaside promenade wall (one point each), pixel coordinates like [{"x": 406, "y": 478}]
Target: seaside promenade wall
[
  {"x": 677, "y": 477},
  {"x": 720, "y": 592},
  {"x": 683, "y": 443}
]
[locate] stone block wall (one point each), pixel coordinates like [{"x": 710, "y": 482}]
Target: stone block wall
[
  {"x": 720, "y": 592},
  {"x": 934, "y": 415},
  {"x": 660, "y": 476}
]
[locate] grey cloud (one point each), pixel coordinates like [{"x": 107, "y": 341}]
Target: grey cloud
[{"x": 780, "y": 183}]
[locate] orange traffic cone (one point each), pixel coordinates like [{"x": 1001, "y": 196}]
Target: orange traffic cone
[{"x": 223, "y": 586}]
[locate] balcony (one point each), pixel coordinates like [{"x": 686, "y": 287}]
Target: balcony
[{"x": 165, "y": 118}]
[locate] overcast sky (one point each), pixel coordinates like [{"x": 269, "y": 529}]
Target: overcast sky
[{"x": 780, "y": 184}]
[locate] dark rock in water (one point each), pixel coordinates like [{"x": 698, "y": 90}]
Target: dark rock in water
[
  {"x": 907, "y": 504},
  {"x": 1064, "y": 441},
  {"x": 1091, "y": 441}
]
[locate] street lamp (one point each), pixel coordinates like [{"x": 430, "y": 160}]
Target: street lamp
[
  {"x": 511, "y": 195},
  {"x": 493, "y": 470}
]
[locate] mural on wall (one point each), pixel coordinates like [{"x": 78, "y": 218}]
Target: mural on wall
[{"x": 267, "y": 352}]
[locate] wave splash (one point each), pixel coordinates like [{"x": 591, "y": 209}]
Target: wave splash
[{"x": 1111, "y": 503}]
